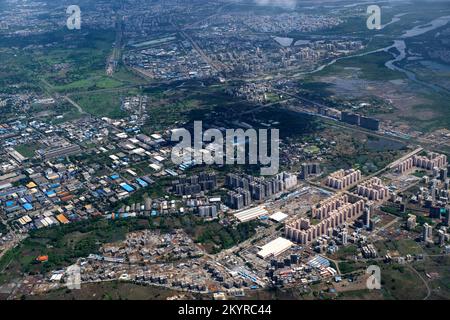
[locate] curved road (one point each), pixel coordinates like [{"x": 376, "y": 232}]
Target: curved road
[{"x": 423, "y": 280}]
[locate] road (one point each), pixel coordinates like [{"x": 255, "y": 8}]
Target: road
[
  {"x": 430, "y": 145},
  {"x": 76, "y": 105},
  {"x": 199, "y": 50},
  {"x": 423, "y": 280},
  {"x": 114, "y": 58},
  {"x": 375, "y": 232}
]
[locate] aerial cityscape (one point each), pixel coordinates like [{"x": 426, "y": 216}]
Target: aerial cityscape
[{"x": 224, "y": 150}]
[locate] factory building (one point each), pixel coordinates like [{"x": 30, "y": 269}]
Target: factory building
[
  {"x": 274, "y": 248},
  {"x": 250, "y": 214},
  {"x": 64, "y": 151}
]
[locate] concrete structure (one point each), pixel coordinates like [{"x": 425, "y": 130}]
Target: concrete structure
[
  {"x": 427, "y": 233},
  {"x": 63, "y": 151},
  {"x": 373, "y": 189},
  {"x": 434, "y": 160},
  {"x": 411, "y": 222},
  {"x": 323, "y": 209},
  {"x": 301, "y": 231},
  {"x": 251, "y": 214},
  {"x": 278, "y": 216},
  {"x": 274, "y": 248},
  {"x": 343, "y": 179},
  {"x": 308, "y": 169}
]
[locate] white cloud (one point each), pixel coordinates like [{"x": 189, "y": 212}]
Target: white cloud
[{"x": 281, "y": 3}]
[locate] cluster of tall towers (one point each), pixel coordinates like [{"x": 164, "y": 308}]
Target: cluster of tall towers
[
  {"x": 332, "y": 213},
  {"x": 373, "y": 189},
  {"x": 323, "y": 209},
  {"x": 343, "y": 179},
  {"x": 257, "y": 188},
  {"x": 429, "y": 163}
]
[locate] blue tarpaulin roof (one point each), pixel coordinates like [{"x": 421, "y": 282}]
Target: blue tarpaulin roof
[
  {"x": 127, "y": 187},
  {"x": 142, "y": 182},
  {"x": 9, "y": 203}
]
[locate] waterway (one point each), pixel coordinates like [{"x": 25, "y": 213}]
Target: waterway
[{"x": 401, "y": 49}]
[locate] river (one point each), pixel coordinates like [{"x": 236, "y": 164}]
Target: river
[{"x": 400, "y": 46}]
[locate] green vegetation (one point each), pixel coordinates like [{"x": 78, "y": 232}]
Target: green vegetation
[
  {"x": 400, "y": 282},
  {"x": 93, "y": 83},
  {"x": 391, "y": 209},
  {"x": 440, "y": 281},
  {"x": 350, "y": 266},
  {"x": 156, "y": 190},
  {"x": 63, "y": 244},
  {"x": 370, "y": 67},
  {"x": 357, "y": 150},
  {"x": 420, "y": 173},
  {"x": 403, "y": 247},
  {"x": 169, "y": 107},
  {"x": 27, "y": 150},
  {"x": 213, "y": 236},
  {"x": 114, "y": 290},
  {"x": 104, "y": 104},
  {"x": 346, "y": 252}
]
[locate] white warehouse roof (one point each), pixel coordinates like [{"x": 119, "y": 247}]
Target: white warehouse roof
[
  {"x": 278, "y": 216},
  {"x": 250, "y": 214},
  {"x": 275, "y": 247}
]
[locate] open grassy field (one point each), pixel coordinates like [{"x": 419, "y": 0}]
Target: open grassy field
[
  {"x": 369, "y": 67},
  {"x": 103, "y": 104},
  {"x": 401, "y": 283},
  {"x": 65, "y": 62},
  {"x": 112, "y": 290},
  {"x": 398, "y": 247},
  {"x": 27, "y": 150},
  {"x": 436, "y": 271}
]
